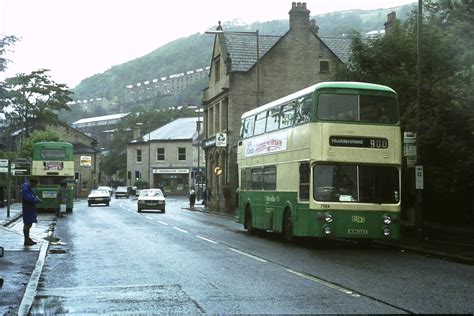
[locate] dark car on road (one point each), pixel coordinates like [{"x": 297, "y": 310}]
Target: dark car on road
[{"x": 122, "y": 192}]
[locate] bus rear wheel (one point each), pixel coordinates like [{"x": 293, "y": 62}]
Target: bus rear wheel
[
  {"x": 248, "y": 221},
  {"x": 288, "y": 226}
]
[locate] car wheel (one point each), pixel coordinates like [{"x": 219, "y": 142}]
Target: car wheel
[
  {"x": 139, "y": 210},
  {"x": 90, "y": 204},
  {"x": 163, "y": 210},
  {"x": 69, "y": 210},
  {"x": 107, "y": 204}
]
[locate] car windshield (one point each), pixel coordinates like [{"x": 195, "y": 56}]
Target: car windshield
[
  {"x": 149, "y": 193},
  {"x": 121, "y": 189}
]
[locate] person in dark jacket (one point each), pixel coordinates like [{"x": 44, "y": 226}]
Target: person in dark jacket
[{"x": 29, "y": 201}]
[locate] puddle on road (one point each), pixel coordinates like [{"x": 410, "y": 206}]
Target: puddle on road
[{"x": 114, "y": 299}]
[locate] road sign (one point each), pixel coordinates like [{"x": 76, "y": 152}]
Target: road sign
[
  {"x": 3, "y": 165},
  {"x": 221, "y": 139},
  {"x": 419, "y": 177},
  {"x": 218, "y": 171},
  {"x": 86, "y": 161},
  {"x": 21, "y": 168}
]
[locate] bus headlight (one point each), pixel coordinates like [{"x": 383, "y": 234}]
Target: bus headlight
[
  {"x": 387, "y": 231},
  {"x": 387, "y": 219},
  {"x": 327, "y": 230},
  {"x": 328, "y": 218}
]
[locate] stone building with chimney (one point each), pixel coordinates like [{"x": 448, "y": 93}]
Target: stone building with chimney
[{"x": 249, "y": 70}]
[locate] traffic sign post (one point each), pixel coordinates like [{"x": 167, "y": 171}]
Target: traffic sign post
[{"x": 218, "y": 172}]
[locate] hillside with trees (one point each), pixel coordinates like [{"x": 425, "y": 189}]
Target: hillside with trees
[{"x": 194, "y": 52}]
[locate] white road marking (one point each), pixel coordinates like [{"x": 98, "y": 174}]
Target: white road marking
[
  {"x": 181, "y": 230},
  {"x": 162, "y": 223},
  {"x": 325, "y": 283},
  {"x": 207, "y": 239},
  {"x": 150, "y": 218},
  {"x": 248, "y": 255}
]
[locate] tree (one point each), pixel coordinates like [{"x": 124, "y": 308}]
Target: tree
[
  {"x": 445, "y": 141},
  {"x": 33, "y": 99},
  {"x": 4, "y": 43},
  {"x": 47, "y": 135}
]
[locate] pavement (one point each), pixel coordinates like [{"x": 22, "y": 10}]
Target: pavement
[{"x": 20, "y": 266}]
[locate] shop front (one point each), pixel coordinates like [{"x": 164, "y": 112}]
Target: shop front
[{"x": 172, "y": 181}]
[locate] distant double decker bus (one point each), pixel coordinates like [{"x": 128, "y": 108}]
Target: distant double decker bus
[
  {"x": 323, "y": 162},
  {"x": 53, "y": 164}
]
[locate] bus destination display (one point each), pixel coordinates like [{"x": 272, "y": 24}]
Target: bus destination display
[{"x": 360, "y": 142}]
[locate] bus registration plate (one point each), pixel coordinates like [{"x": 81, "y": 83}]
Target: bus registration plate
[
  {"x": 358, "y": 219},
  {"x": 49, "y": 194}
]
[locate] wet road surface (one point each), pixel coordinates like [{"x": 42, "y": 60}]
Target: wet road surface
[{"x": 116, "y": 260}]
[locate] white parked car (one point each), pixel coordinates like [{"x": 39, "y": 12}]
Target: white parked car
[
  {"x": 151, "y": 199},
  {"x": 98, "y": 197}
]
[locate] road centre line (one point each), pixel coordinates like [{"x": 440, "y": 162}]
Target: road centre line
[
  {"x": 325, "y": 283},
  {"x": 207, "y": 239},
  {"x": 181, "y": 230},
  {"x": 248, "y": 255},
  {"x": 162, "y": 223}
]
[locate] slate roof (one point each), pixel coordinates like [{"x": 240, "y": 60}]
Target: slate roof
[
  {"x": 83, "y": 149},
  {"x": 242, "y": 48},
  {"x": 180, "y": 129},
  {"x": 340, "y": 46}
]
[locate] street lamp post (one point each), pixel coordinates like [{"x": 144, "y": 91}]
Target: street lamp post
[{"x": 149, "y": 155}]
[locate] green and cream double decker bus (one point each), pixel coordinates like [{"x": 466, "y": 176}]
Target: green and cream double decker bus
[
  {"x": 53, "y": 164},
  {"x": 323, "y": 162}
]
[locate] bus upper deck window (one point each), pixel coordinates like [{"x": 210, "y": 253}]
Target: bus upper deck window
[
  {"x": 248, "y": 126},
  {"x": 378, "y": 109},
  {"x": 338, "y": 107},
  {"x": 287, "y": 115},
  {"x": 303, "y": 109}
]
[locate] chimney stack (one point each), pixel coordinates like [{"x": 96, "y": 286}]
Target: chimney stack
[
  {"x": 391, "y": 18},
  {"x": 299, "y": 16},
  {"x": 136, "y": 132},
  {"x": 313, "y": 27}
]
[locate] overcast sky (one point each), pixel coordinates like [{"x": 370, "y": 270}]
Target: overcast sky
[{"x": 79, "y": 38}]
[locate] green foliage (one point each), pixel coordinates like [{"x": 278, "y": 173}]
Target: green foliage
[
  {"x": 141, "y": 184},
  {"x": 445, "y": 142},
  {"x": 5, "y": 42},
  {"x": 33, "y": 99},
  {"x": 48, "y": 135}
]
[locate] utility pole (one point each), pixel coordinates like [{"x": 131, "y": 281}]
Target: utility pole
[
  {"x": 418, "y": 194},
  {"x": 9, "y": 186}
]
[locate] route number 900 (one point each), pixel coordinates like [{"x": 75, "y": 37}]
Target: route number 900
[{"x": 379, "y": 143}]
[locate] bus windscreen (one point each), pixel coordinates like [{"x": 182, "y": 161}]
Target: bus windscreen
[{"x": 356, "y": 184}]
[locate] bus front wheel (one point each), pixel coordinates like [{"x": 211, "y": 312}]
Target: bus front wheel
[
  {"x": 288, "y": 226},
  {"x": 248, "y": 221}
]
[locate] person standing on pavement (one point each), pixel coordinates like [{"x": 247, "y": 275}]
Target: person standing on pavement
[
  {"x": 28, "y": 203},
  {"x": 192, "y": 197}
]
